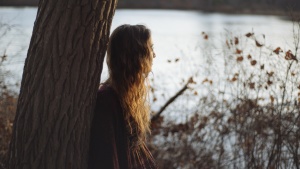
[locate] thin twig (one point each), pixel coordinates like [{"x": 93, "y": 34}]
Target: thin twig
[{"x": 171, "y": 100}]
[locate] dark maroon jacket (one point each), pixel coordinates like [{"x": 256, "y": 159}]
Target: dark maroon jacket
[{"x": 109, "y": 141}]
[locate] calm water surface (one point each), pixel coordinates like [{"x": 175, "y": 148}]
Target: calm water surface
[{"x": 176, "y": 35}]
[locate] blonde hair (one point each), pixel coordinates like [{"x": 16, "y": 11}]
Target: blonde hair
[{"x": 129, "y": 61}]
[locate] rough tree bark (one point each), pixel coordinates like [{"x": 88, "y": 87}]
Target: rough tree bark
[{"x": 59, "y": 85}]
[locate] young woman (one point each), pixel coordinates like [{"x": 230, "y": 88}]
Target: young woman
[{"x": 121, "y": 118}]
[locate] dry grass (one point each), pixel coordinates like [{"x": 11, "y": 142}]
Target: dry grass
[
  {"x": 8, "y": 100},
  {"x": 7, "y": 112},
  {"x": 250, "y": 118}
]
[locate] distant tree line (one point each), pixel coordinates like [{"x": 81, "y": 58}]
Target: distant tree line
[
  {"x": 19, "y": 2},
  {"x": 211, "y": 5},
  {"x": 207, "y": 5}
]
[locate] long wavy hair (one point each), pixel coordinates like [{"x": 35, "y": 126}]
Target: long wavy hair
[{"x": 129, "y": 62}]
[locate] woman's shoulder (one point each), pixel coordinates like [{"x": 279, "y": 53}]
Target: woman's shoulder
[
  {"x": 108, "y": 107},
  {"x": 107, "y": 95},
  {"x": 103, "y": 88},
  {"x": 106, "y": 90}
]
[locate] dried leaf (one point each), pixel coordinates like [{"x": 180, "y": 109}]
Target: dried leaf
[
  {"x": 269, "y": 82},
  {"x": 270, "y": 73},
  {"x": 238, "y": 51},
  {"x": 233, "y": 79},
  {"x": 249, "y": 34},
  {"x": 236, "y": 40},
  {"x": 258, "y": 44},
  {"x": 272, "y": 98},
  {"x": 290, "y": 56},
  {"x": 191, "y": 80},
  {"x": 152, "y": 89},
  {"x": 240, "y": 58},
  {"x": 249, "y": 56},
  {"x": 205, "y": 80},
  {"x": 277, "y": 50},
  {"x": 252, "y": 85},
  {"x": 4, "y": 58},
  {"x": 293, "y": 73},
  {"x": 253, "y": 62}
]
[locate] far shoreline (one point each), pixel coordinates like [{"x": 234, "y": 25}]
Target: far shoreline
[{"x": 229, "y": 11}]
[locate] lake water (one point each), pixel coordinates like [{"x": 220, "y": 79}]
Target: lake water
[{"x": 177, "y": 35}]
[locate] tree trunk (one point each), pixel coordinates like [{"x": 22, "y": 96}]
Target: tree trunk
[{"x": 59, "y": 85}]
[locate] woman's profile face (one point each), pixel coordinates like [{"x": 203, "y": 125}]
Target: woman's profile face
[
  {"x": 152, "y": 53},
  {"x": 151, "y": 48}
]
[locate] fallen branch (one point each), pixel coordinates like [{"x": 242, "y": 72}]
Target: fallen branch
[{"x": 172, "y": 99}]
